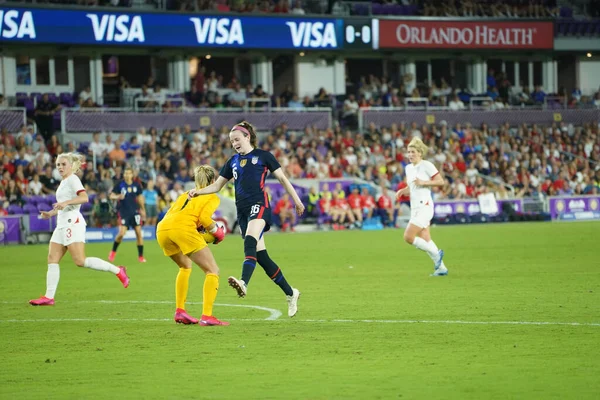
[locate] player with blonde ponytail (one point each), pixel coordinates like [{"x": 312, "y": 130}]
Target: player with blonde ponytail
[
  {"x": 69, "y": 234},
  {"x": 421, "y": 175}
]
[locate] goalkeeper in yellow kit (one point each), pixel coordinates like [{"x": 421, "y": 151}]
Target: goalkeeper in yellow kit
[{"x": 177, "y": 234}]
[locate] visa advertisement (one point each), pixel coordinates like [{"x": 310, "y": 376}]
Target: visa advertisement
[{"x": 78, "y": 27}]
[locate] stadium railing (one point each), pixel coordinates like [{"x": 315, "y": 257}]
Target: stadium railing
[
  {"x": 386, "y": 116},
  {"x": 127, "y": 120},
  {"x": 13, "y": 118}
]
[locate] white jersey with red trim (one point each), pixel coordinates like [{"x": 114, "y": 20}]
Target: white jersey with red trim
[
  {"x": 68, "y": 189},
  {"x": 419, "y": 195}
]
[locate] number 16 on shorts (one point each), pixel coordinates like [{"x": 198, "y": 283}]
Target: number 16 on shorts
[{"x": 254, "y": 210}]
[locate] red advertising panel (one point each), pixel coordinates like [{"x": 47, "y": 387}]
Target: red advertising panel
[{"x": 483, "y": 34}]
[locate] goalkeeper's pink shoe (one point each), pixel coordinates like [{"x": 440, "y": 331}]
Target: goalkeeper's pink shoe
[
  {"x": 122, "y": 275},
  {"x": 111, "y": 256},
  {"x": 42, "y": 301},
  {"x": 182, "y": 317},
  {"x": 212, "y": 321}
]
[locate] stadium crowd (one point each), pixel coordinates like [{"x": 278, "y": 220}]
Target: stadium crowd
[{"x": 512, "y": 161}]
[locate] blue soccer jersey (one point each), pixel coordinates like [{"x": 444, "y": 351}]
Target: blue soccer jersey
[
  {"x": 129, "y": 205},
  {"x": 249, "y": 172}
]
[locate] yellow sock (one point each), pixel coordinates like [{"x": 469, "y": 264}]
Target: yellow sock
[
  {"x": 181, "y": 287},
  {"x": 211, "y": 286}
]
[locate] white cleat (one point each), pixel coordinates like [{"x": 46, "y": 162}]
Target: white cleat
[
  {"x": 441, "y": 271},
  {"x": 293, "y": 302},
  {"x": 438, "y": 263},
  {"x": 239, "y": 286}
]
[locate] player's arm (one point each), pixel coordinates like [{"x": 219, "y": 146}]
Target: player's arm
[
  {"x": 82, "y": 197},
  {"x": 116, "y": 194},
  {"x": 208, "y": 223},
  {"x": 212, "y": 188},
  {"x": 287, "y": 185},
  {"x": 405, "y": 191},
  {"x": 142, "y": 204}
]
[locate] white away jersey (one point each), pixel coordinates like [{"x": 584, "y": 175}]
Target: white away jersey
[
  {"x": 68, "y": 189},
  {"x": 425, "y": 171}
]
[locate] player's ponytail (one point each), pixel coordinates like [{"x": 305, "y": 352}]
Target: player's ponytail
[
  {"x": 75, "y": 159},
  {"x": 419, "y": 146},
  {"x": 248, "y": 130},
  {"x": 204, "y": 175}
]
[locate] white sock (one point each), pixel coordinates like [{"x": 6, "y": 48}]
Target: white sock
[
  {"x": 100, "y": 265},
  {"x": 429, "y": 247},
  {"x": 52, "y": 278}
]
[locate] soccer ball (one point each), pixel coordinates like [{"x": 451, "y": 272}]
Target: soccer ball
[{"x": 208, "y": 237}]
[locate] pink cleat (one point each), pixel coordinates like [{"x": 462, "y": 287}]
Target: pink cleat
[
  {"x": 212, "y": 321},
  {"x": 141, "y": 259},
  {"x": 42, "y": 301},
  {"x": 112, "y": 255},
  {"x": 182, "y": 317},
  {"x": 122, "y": 275}
]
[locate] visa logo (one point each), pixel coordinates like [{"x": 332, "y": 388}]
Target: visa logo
[
  {"x": 218, "y": 31},
  {"x": 14, "y": 25},
  {"x": 313, "y": 34},
  {"x": 117, "y": 28}
]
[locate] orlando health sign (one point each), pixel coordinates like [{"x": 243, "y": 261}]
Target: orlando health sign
[{"x": 78, "y": 27}]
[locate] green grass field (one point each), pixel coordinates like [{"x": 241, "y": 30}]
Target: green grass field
[{"x": 517, "y": 318}]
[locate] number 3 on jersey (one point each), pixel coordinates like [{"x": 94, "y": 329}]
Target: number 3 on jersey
[
  {"x": 235, "y": 173},
  {"x": 254, "y": 210}
]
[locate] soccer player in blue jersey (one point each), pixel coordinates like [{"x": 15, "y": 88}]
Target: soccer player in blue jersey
[
  {"x": 249, "y": 168},
  {"x": 131, "y": 212}
]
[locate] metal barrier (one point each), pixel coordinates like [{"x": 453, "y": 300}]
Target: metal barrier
[
  {"x": 127, "y": 120},
  {"x": 13, "y": 118},
  {"x": 386, "y": 116}
]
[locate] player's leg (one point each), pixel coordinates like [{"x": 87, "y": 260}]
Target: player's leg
[
  {"x": 276, "y": 275},
  {"x": 139, "y": 238},
  {"x": 56, "y": 251},
  {"x": 418, "y": 222},
  {"x": 251, "y": 231},
  {"x": 182, "y": 284},
  {"x": 205, "y": 260},
  {"x": 118, "y": 239},
  {"x": 77, "y": 249},
  {"x": 437, "y": 256}
]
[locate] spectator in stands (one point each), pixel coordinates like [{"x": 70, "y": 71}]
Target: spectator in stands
[
  {"x": 101, "y": 211},
  {"x": 456, "y": 104},
  {"x": 367, "y": 202},
  {"x": 96, "y": 148},
  {"x": 44, "y": 116},
  {"x": 13, "y": 193},
  {"x": 237, "y": 98},
  {"x": 84, "y": 96},
  {"x": 538, "y": 95},
  {"x": 3, "y": 102},
  {"x": 151, "y": 202},
  {"x": 117, "y": 154},
  {"x": 286, "y": 213},
  {"x": 49, "y": 182},
  {"x": 355, "y": 204},
  {"x": 385, "y": 206},
  {"x": 350, "y": 114},
  {"x": 35, "y": 186}
]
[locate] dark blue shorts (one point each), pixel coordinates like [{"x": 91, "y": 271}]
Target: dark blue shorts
[
  {"x": 130, "y": 221},
  {"x": 256, "y": 211}
]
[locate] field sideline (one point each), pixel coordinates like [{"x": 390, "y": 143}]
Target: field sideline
[{"x": 518, "y": 317}]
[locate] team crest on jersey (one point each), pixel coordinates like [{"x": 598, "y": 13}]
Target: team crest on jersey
[
  {"x": 243, "y": 163},
  {"x": 254, "y": 160},
  {"x": 129, "y": 190}
]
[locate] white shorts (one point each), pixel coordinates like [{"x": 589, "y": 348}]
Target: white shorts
[
  {"x": 69, "y": 235},
  {"x": 421, "y": 216}
]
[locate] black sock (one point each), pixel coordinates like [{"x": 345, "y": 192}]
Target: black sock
[
  {"x": 250, "y": 259},
  {"x": 116, "y": 246},
  {"x": 141, "y": 251},
  {"x": 273, "y": 271}
]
